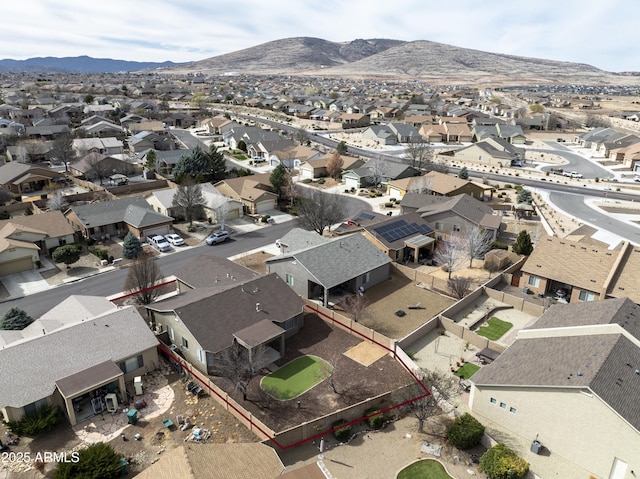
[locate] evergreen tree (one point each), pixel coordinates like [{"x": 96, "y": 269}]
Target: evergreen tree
[
  {"x": 523, "y": 244},
  {"x": 98, "y": 461},
  {"x": 278, "y": 179},
  {"x": 218, "y": 164},
  {"x": 341, "y": 148},
  {"x": 131, "y": 246},
  {"x": 463, "y": 174},
  {"x": 15, "y": 319},
  {"x": 150, "y": 162},
  {"x": 67, "y": 254},
  {"x": 524, "y": 196}
]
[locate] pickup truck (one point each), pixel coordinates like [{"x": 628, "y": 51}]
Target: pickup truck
[{"x": 159, "y": 242}]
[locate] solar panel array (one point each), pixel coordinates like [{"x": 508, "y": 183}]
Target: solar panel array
[{"x": 401, "y": 229}]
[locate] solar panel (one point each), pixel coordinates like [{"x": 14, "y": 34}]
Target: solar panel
[{"x": 401, "y": 229}]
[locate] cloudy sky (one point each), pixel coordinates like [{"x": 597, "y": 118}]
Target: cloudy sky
[{"x": 600, "y": 33}]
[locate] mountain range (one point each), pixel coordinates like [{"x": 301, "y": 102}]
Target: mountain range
[
  {"x": 371, "y": 58},
  {"x": 82, "y": 64}
]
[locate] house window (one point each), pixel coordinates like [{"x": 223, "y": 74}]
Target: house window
[
  {"x": 290, "y": 324},
  {"x": 289, "y": 280},
  {"x": 62, "y": 241},
  {"x": 185, "y": 343},
  {"x": 534, "y": 281},
  {"x": 503, "y": 405},
  {"x": 201, "y": 356},
  {"x": 493, "y": 400},
  {"x": 456, "y": 227},
  {"x": 439, "y": 225},
  {"x": 367, "y": 277},
  {"x": 586, "y": 296},
  {"x": 512, "y": 410},
  {"x": 170, "y": 331},
  {"x": 131, "y": 364}
]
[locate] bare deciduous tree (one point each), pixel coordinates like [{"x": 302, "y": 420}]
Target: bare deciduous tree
[
  {"x": 220, "y": 206},
  {"x": 450, "y": 252},
  {"x": 98, "y": 168},
  {"x": 320, "y": 210},
  {"x": 419, "y": 152},
  {"x": 476, "y": 241},
  {"x": 421, "y": 184},
  {"x": 443, "y": 388},
  {"x": 143, "y": 275},
  {"x": 57, "y": 202},
  {"x": 335, "y": 165},
  {"x": 355, "y": 305},
  {"x": 239, "y": 365},
  {"x": 378, "y": 168},
  {"x": 189, "y": 198},
  {"x": 459, "y": 286},
  {"x": 62, "y": 149}
]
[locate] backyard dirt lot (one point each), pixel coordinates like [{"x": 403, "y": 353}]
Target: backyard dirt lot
[
  {"x": 396, "y": 294},
  {"x": 351, "y": 382}
]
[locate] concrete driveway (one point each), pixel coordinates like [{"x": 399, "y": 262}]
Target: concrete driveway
[{"x": 24, "y": 283}]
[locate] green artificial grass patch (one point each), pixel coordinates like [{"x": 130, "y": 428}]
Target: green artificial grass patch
[
  {"x": 296, "y": 377},
  {"x": 423, "y": 469},
  {"x": 495, "y": 329},
  {"x": 466, "y": 370}
]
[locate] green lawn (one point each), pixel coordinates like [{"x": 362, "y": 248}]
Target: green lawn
[
  {"x": 466, "y": 370},
  {"x": 427, "y": 468},
  {"x": 296, "y": 377},
  {"x": 495, "y": 329}
]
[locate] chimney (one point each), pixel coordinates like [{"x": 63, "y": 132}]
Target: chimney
[{"x": 257, "y": 307}]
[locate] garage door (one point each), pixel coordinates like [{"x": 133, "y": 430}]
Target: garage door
[
  {"x": 16, "y": 266},
  {"x": 161, "y": 230},
  {"x": 264, "y": 206},
  {"x": 351, "y": 183}
]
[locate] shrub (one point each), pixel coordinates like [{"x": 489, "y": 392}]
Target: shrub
[
  {"x": 101, "y": 253},
  {"x": 4, "y": 215},
  {"x": 98, "y": 461},
  {"x": 465, "y": 432},
  {"x": 343, "y": 433},
  {"x": 191, "y": 229},
  {"x": 67, "y": 254},
  {"x": 15, "y": 319},
  {"x": 32, "y": 425},
  {"x": 507, "y": 186},
  {"x": 375, "y": 419},
  {"x": 500, "y": 462},
  {"x": 499, "y": 245},
  {"x": 265, "y": 218},
  {"x": 597, "y": 179},
  {"x": 321, "y": 181},
  {"x": 306, "y": 181},
  {"x": 389, "y": 204}
]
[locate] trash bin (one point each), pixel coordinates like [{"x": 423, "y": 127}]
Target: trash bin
[
  {"x": 536, "y": 446},
  {"x": 123, "y": 466},
  {"x": 132, "y": 416}
]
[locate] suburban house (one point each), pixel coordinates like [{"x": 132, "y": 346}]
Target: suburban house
[
  {"x": 24, "y": 238},
  {"x": 365, "y": 176},
  {"x": 565, "y": 392},
  {"x": 117, "y": 218},
  {"x": 204, "y": 271},
  {"x": 381, "y": 134},
  {"x": 403, "y": 238},
  {"x": 166, "y": 160},
  {"x": 317, "y": 167},
  {"x": 494, "y": 151},
  {"x": 253, "y": 191},
  {"x": 249, "y": 135},
  {"x": 24, "y": 179},
  {"x": 256, "y": 313},
  {"x": 216, "y": 204},
  {"x": 105, "y": 146},
  {"x": 579, "y": 271},
  {"x": 148, "y": 140},
  {"x": 457, "y": 132},
  {"x": 218, "y": 125},
  {"x": 441, "y": 184},
  {"x": 451, "y": 215},
  {"x": 331, "y": 268},
  {"x": 292, "y": 156},
  {"x": 97, "y": 165},
  {"x": 102, "y": 348}
]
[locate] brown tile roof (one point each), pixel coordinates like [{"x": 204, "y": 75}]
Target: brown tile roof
[{"x": 584, "y": 266}]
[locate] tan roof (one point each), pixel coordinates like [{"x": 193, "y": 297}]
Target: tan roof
[
  {"x": 581, "y": 265},
  {"x": 52, "y": 223},
  {"x": 222, "y": 461},
  {"x": 627, "y": 282},
  {"x": 250, "y": 187}
]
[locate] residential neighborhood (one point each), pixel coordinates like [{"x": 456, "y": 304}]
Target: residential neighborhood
[{"x": 347, "y": 265}]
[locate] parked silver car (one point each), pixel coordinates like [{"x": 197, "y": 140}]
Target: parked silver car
[{"x": 218, "y": 237}]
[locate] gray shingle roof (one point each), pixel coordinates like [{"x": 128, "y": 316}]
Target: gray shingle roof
[
  {"x": 213, "y": 316},
  {"x": 340, "y": 260},
  {"x": 30, "y": 368},
  {"x": 213, "y": 271},
  {"x": 135, "y": 211}
]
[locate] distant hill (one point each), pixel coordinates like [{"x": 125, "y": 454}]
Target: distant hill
[
  {"x": 82, "y": 64},
  {"x": 384, "y": 58}
]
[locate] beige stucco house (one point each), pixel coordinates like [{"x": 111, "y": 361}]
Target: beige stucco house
[{"x": 571, "y": 382}]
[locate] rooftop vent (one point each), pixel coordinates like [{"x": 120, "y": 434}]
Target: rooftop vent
[{"x": 257, "y": 307}]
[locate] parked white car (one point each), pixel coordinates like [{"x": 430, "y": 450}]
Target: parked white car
[{"x": 174, "y": 239}]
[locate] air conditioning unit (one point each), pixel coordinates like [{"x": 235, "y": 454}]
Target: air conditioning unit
[{"x": 173, "y": 347}]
